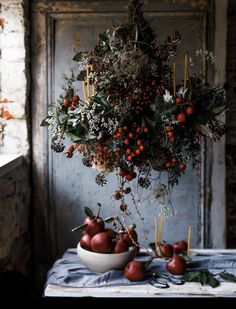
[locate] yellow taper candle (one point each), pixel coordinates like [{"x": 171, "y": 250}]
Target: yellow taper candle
[
  {"x": 88, "y": 82},
  {"x": 156, "y": 233},
  {"x": 84, "y": 90},
  {"x": 174, "y": 78},
  {"x": 189, "y": 239},
  {"x": 161, "y": 227},
  {"x": 93, "y": 87},
  {"x": 186, "y": 61}
]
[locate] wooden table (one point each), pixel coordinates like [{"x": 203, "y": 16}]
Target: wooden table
[{"x": 226, "y": 289}]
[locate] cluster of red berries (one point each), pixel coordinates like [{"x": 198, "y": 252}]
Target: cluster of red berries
[
  {"x": 174, "y": 162},
  {"x": 169, "y": 133},
  {"x": 131, "y": 140},
  {"x": 70, "y": 151},
  {"x": 127, "y": 174},
  {"x": 71, "y": 104},
  {"x": 72, "y": 148},
  {"x": 186, "y": 109},
  {"x": 142, "y": 92}
]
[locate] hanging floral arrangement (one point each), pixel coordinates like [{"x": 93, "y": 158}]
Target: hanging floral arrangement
[{"x": 133, "y": 118}]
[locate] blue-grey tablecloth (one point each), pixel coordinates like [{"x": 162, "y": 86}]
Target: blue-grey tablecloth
[{"x": 69, "y": 271}]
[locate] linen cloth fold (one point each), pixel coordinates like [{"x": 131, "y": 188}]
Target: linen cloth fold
[{"x": 70, "y": 271}]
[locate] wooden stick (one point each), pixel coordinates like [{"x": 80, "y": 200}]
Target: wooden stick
[
  {"x": 189, "y": 239},
  {"x": 156, "y": 233},
  {"x": 185, "y": 70},
  {"x": 84, "y": 90},
  {"x": 161, "y": 228},
  {"x": 174, "y": 79}
]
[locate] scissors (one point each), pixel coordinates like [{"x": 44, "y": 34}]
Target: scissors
[{"x": 157, "y": 282}]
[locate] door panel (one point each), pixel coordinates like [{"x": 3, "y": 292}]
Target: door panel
[
  {"x": 64, "y": 30},
  {"x": 73, "y": 185}
]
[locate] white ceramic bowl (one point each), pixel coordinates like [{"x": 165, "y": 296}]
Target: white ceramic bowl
[{"x": 101, "y": 262}]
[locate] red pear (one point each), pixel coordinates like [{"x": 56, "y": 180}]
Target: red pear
[
  {"x": 111, "y": 233},
  {"x": 180, "y": 247},
  {"x": 130, "y": 236},
  {"x": 166, "y": 250},
  {"x": 95, "y": 225},
  {"x": 121, "y": 246},
  {"x": 85, "y": 242},
  {"x": 101, "y": 243},
  {"x": 135, "y": 271},
  {"x": 176, "y": 266}
]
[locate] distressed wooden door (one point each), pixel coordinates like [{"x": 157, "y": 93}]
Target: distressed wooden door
[{"x": 62, "y": 186}]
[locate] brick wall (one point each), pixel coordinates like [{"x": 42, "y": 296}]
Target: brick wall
[
  {"x": 14, "y": 89},
  {"x": 231, "y": 128},
  {"x": 13, "y": 77}
]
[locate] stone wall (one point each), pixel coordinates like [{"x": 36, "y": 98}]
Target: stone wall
[
  {"x": 14, "y": 221},
  {"x": 14, "y": 89},
  {"x": 231, "y": 127}
]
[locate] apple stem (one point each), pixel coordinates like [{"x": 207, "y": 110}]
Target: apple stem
[
  {"x": 127, "y": 230},
  {"x": 99, "y": 208},
  {"x": 122, "y": 226}
]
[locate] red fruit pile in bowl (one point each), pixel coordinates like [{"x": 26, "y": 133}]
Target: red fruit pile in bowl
[{"x": 96, "y": 237}]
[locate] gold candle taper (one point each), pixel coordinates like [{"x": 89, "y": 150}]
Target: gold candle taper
[
  {"x": 189, "y": 239},
  {"x": 88, "y": 82},
  {"x": 174, "y": 79},
  {"x": 161, "y": 228},
  {"x": 93, "y": 87},
  {"x": 156, "y": 233},
  {"x": 186, "y": 61},
  {"x": 84, "y": 90}
]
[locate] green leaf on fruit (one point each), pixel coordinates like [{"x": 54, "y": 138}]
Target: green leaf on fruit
[
  {"x": 109, "y": 219},
  {"x": 149, "y": 261},
  {"x": 185, "y": 257},
  {"x": 79, "y": 228},
  {"x": 88, "y": 212},
  {"x": 228, "y": 277}
]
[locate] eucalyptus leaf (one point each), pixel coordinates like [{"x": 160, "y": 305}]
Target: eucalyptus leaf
[
  {"x": 205, "y": 130},
  {"x": 45, "y": 122},
  {"x": 218, "y": 109},
  {"x": 63, "y": 118},
  {"x": 56, "y": 117},
  {"x": 202, "y": 276},
  {"x": 81, "y": 76},
  {"x": 228, "y": 277},
  {"x": 78, "y": 57},
  {"x": 88, "y": 212},
  {"x": 72, "y": 137},
  {"x": 213, "y": 282}
]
